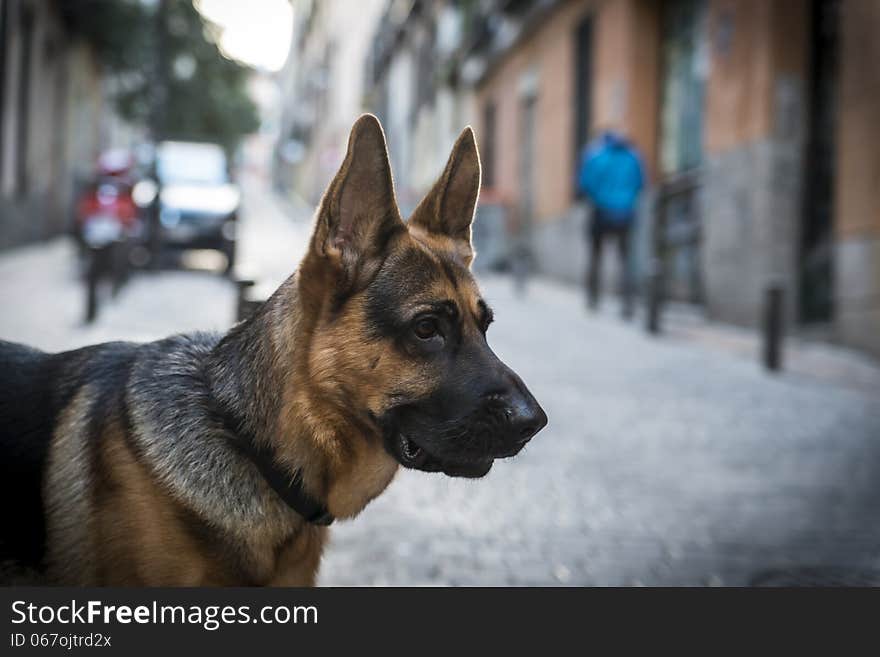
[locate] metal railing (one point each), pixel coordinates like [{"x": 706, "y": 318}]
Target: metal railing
[{"x": 675, "y": 270}]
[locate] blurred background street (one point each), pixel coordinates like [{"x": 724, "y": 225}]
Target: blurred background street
[{"x": 154, "y": 154}]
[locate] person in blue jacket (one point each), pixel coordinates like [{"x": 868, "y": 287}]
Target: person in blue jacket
[{"x": 611, "y": 176}]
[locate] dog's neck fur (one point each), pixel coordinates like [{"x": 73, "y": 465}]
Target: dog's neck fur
[
  {"x": 246, "y": 372},
  {"x": 259, "y": 374}
]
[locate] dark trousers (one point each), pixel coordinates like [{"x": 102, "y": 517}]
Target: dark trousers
[{"x": 600, "y": 231}]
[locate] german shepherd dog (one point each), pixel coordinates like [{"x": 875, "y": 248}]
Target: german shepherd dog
[{"x": 220, "y": 459}]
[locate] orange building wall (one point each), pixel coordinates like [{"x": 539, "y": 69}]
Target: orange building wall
[
  {"x": 740, "y": 85},
  {"x": 857, "y": 202},
  {"x": 626, "y": 72},
  {"x": 624, "y": 94},
  {"x": 768, "y": 40}
]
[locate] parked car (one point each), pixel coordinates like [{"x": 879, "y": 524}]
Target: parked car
[{"x": 198, "y": 202}]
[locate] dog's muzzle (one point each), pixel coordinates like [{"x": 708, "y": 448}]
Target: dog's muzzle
[{"x": 500, "y": 428}]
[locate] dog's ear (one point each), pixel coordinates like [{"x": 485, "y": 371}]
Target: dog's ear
[
  {"x": 358, "y": 214},
  {"x": 448, "y": 209}
]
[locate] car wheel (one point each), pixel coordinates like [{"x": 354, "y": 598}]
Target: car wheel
[{"x": 229, "y": 252}]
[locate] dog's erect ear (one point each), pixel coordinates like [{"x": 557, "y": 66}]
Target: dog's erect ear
[
  {"x": 448, "y": 209},
  {"x": 359, "y": 214}
]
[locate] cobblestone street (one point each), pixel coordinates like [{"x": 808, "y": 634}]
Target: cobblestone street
[{"x": 666, "y": 461}]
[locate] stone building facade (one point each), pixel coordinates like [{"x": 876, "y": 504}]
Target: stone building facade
[{"x": 754, "y": 118}]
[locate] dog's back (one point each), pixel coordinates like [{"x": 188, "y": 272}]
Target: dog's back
[{"x": 35, "y": 387}]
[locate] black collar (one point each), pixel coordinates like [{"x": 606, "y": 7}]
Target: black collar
[{"x": 288, "y": 489}]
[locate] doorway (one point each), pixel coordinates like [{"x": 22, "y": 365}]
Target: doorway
[
  {"x": 678, "y": 226},
  {"x": 815, "y": 262}
]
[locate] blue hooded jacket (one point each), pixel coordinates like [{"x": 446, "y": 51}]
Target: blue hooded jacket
[{"x": 611, "y": 175}]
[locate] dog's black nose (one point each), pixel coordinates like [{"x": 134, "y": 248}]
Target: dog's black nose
[
  {"x": 526, "y": 418},
  {"x": 522, "y": 412}
]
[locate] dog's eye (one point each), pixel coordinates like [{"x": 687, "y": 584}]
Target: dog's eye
[{"x": 426, "y": 328}]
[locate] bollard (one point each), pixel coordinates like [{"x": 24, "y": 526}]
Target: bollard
[
  {"x": 773, "y": 327},
  {"x": 244, "y": 306},
  {"x": 655, "y": 287}
]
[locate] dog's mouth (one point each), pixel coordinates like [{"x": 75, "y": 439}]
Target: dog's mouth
[{"x": 412, "y": 455}]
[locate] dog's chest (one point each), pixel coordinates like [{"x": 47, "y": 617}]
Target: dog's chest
[
  {"x": 296, "y": 561},
  {"x": 362, "y": 479}
]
